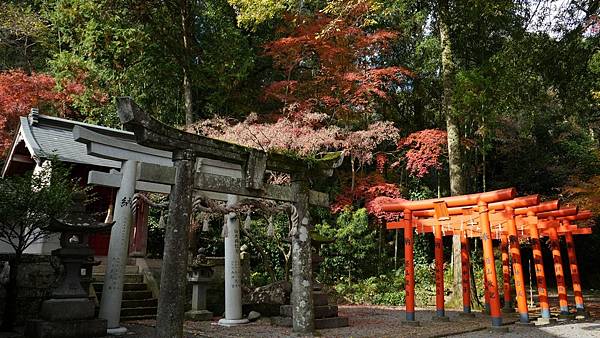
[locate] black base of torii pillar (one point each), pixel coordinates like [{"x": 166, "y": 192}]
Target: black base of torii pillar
[{"x": 186, "y": 148}]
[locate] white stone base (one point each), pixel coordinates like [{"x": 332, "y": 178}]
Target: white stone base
[
  {"x": 117, "y": 331},
  {"x": 233, "y": 322}
]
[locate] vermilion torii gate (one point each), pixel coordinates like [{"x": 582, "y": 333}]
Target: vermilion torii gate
[
  {"x": 503, "y": 219},
  {"x": 481, "y": 201}
]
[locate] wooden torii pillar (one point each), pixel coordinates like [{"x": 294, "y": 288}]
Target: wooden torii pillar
[
  {"x": 549, "y": 227},
  {"x": 577, "y": 292},
  {"x": 538, "y": 260},
  {"x": 505, "y": 225},
  {"x": 553, "y": 228},
  {"x": 185, "y": 148},
  {"x": 481, "y": 200}
]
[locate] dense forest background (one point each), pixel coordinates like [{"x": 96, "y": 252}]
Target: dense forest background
[{"x": 425, "y": 98}]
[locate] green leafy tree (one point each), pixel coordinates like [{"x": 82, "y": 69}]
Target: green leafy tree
[
  {"x": 27, "y": 205},
  {"x": 354, "y": 248},
  {"x": 25, "y": 37}
]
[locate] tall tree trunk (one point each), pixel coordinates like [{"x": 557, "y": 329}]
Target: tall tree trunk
[
  {"x": 10, "y": 307},
  {"x": 186, "y": 62},
  {"x": 457, "y": 180}
]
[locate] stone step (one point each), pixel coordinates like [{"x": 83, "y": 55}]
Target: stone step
[
  {"x": 322, "y": 323},
  {"x": 130, "y": 295},
  {"x": 139, "y": 303},
  {"x": 126, "y": 287},
  {"x": 129, "y": 269},
  {"x": 138, "y": 311},
  {"x": 129, "y": 278},
  {"x": 321, "y": 311},
  {"x": 320, "y": 298},
  {"x": 130, "y": 318}
]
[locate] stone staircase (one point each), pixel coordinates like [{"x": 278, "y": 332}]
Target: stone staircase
[{"x": 138, "y": 302}]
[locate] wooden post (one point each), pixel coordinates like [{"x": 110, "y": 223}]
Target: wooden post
[
  {"x": 139, "y": 232},
  {"x": 489, "y": 265},
  {"x": 558, "y": 270},
  {"x": 574, "y": 271},
  {"x": 171, "y": 300},
  {"x": 515, "y": 252},
  {"x": 508, "y": 307},
  {"x": 539, "y": 269},
  {"x": 409, "y": 269},
  {"x": 466, "y": 273},
  {"x": 439, "y": 272}
]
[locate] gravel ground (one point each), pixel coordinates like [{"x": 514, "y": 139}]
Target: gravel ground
[
  {"x": 566, "y": 330},
  {"x": 386, "y": 321},
  {"x": 365, "y": 321}
]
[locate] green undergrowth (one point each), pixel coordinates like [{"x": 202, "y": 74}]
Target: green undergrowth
[{"x": 387, "y": 289}]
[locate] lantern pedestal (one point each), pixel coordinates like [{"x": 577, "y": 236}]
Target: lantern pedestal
[
  {"x": 69, "y": 313},
  {"x": 199, "y": 276}
]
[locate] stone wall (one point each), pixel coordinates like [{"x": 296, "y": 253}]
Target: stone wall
[{"x": 37, "y": 275}]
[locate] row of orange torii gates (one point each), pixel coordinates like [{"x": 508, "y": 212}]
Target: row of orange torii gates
[{"x": 493, "y": 215}]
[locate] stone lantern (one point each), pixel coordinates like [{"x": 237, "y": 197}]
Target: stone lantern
[
  {"x": 69, "y": 312},
  {"x": 199, "y": 275}
]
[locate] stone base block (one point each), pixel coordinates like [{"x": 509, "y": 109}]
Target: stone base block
[
  {"x": 117, "y": 331},
  {"x": 233, "y": 322},
  {"x": 198, "y": 315},
  {"x": 66, "y": 329},
  {"x": 440, "y": 319},
  {"x": 321, "y": 311},
  {"x": 320, "y": 298},
  {"x": 67, "y": 309},
  {"x": 545, "y": 321}
]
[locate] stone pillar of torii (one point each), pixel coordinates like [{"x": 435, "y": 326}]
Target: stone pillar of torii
[
  {"x": 168, "y": 160},
  {"x": 127, "y": 180}
]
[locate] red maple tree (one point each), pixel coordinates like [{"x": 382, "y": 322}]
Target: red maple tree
[
  {"x": 19, "y": 92},
  {"x": 425, "y": 149},
  {"x": 371, "y": 191},
  {"x": 331, "y": 66}
]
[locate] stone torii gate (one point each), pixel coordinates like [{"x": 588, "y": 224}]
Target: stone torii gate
[
  {"x": 186, "y": 148},
  {"x": 154, "y": 172}
]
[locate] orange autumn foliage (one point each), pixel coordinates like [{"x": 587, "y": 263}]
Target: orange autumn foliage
[
  {"x": 331, "y": 66},
  {"x": 19, "y": 92}
]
